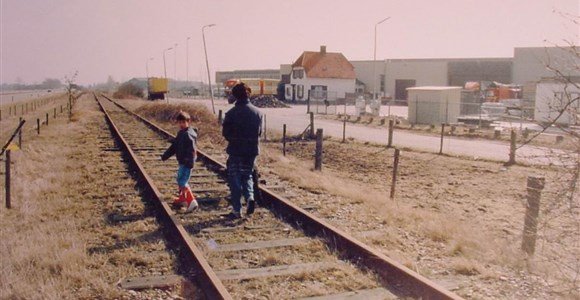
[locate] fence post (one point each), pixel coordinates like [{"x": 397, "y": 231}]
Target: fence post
[
  {"x": 37, "y": 125},
  {"x": 535, "y": 185},
  {"x": 284, "y": 140},
  {"x": 395, "y": 168},
  {"x": 20, "y": 134},
  {"x": 61, "y": 109},
  {"x": 220, "y": 120},
  {"x": 512, "y": 147},
  {"x": 442, "y": 134},
  {"x": 46, "y": 119},
  {"x": 265, "y": 129},
  {"x": 10, "y": 110},
  {"x": 344, "y": 130},
  {"x": 318, "y": 152},
  {"x": 54, "y": 116},
  {"x": 7, "y": 177},
  {"x": 311, "y": 125},
  {"x": 391, "y": 130}
]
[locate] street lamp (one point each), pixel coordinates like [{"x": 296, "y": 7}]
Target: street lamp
[
  {"x": 375, "y": 60},
  {"x": 147, "y": 65},
  {"x": 207, "y": 65},
  {"x": 164, "y": 65},
  {"x": 187, "y": 60},
  {"x": 175, "y": 63}
]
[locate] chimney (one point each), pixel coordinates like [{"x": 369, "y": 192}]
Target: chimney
[{"x": 322, "y": 50}]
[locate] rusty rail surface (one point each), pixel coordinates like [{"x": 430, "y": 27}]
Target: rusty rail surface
[
  {"x": 346, "y": 245},
  {"x": 205, "y": 276}
]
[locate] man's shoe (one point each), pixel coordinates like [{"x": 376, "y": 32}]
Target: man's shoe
[
  {"x": 235, "y": 215},
  {"x": 192, "y": 206},
  {"x": 251, "y": 207}
]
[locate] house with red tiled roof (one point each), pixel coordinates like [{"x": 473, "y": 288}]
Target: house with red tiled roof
[{"x": 320, "y": 76}]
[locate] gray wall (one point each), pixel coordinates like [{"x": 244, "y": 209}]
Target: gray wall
[{"x": 530, "y": 63}]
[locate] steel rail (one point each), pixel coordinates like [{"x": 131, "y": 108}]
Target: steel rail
[
  {"x": 205, "y": 276},
  {"x": 350, "y": 248}
]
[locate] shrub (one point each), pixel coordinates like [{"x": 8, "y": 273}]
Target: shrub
[{"x": 129, "y": 90}]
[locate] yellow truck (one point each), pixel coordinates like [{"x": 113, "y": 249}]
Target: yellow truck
[{"x": 157, "y": 88}]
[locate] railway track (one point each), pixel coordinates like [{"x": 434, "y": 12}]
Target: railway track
[{"x": 282, "y": 251}]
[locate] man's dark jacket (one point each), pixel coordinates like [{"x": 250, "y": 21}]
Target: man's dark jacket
[
  {"x": 183, "y": 147},
  {"x": 242, "y": 128}
]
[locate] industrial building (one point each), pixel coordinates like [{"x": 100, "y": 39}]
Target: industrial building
[{"x": 392, "y": 77}]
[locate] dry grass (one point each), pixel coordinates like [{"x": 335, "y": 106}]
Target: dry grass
[
  {"x": 43, "y": 251},
  {"x": 200, "y": 115}
]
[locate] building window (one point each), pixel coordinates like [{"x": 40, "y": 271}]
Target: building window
[
  {"x": 300, "y": 91},
  {"x": 382, "y": 79}
]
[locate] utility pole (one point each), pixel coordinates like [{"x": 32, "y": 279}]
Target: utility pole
[
  {"x": 187, "y": 60},
  {"x": 164, "y": 64},
  {"x": 207, "y": 65},
  {"x": 375, "y": 60}
]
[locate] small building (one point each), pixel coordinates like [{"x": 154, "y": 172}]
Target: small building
[
  {"x": 552, "y": 99},
  {"x": 320, "y": 75},
  {"x": 433, "y": 104}
]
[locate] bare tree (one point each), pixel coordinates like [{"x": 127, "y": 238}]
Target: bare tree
[{"x": 559, "y": 225}]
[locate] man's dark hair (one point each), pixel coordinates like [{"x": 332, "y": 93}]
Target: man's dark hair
[
  {"x": 240, "y": 91},
  {"x": 182, "y": 116}
]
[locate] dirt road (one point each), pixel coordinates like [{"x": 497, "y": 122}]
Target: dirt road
[{"x": 297, "y": 120}]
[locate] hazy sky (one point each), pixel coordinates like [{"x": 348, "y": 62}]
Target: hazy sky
[{"x": 53, "y": 38}]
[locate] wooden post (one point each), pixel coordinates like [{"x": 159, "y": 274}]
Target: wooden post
[
  {"x": 318, "y": 153},
  {"x": 512, "y": 147},
  {"x": 61, "y": 109},
  {"x": 265, "y": 129},
  {"x": 46, "y": 119},
  {"x": 20, "y": 135},
  {"x": 54, "y": 116},
  {"x": 220, "y": 120},
  {"x": 344, "y": 130},
  {"x": 7, "y": 178},
  {"x": 535, "y": 185},
  {"x": 284, "y": 140},
  {"x": 10, "y": 110},
  {"x": 442, "y": 135},
  {"x": 37, "y": 125},
  {"x": 391, "y": 130},
  {"x": 311, "y": 125},
  {"x": 395, "y": 168}
]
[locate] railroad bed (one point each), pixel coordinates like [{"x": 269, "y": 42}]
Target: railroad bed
[{"x": 281, "y": 251}]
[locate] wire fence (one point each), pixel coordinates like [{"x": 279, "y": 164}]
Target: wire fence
[{"x": 323, "y": 102}]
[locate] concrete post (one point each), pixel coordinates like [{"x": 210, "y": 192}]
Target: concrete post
[
  {"x": 318, "y": 153},
  {"x": 391, "y": 130},
  {"x": 535, "y": 185}
]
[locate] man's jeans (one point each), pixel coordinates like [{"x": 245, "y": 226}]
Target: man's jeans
[{"x": 240, "y": 179}]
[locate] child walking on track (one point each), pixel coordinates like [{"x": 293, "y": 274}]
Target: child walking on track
[{"x": 184, "y": 148}]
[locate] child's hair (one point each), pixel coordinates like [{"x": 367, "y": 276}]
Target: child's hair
[{"x": 182, "y": 116}]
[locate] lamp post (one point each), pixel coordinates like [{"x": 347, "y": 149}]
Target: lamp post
[
  {"x": 187, "y": 60},
  {"x": 175, "y": 62},
  {"x": 207, "y": 65},
  {"x": 375, "y": 59},
  {"x": 147, "y": 65},
  {"x": 164, "y": 64}
]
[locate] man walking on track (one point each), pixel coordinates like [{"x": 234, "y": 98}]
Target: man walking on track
[{"x": 242, "y": 128}]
